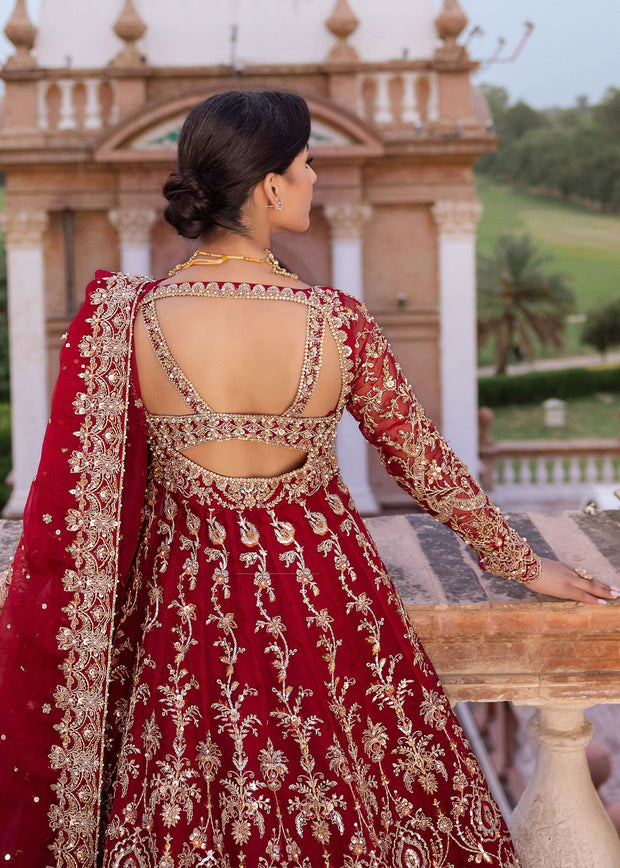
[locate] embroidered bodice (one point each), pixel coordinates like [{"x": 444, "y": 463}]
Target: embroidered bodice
[
  {"x": 202, "y": 424},
  {"x": 375, "y": 392}
]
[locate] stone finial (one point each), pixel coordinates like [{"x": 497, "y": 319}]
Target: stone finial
[
  {"x": 22, "y": 33},
  {"x": 341, "y": 24},
  {"x": 450, "y": 23},
  {"x": 129, "y": 27}
]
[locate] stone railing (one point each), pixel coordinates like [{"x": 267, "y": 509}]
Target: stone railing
[
  {"x": 388, "y": 97},
  {"x": 76, "y": 102},
  {"x": 543, "y": 471},
  {"x": 392, "y": 95},
  {"x": 492, "y": 640}
]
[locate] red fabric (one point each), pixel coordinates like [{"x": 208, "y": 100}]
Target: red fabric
[
  {"x": 37, "y": 610},
  {"x": 266, "y": 699}
]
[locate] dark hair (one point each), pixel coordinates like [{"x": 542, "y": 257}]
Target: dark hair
[{"x": 227, "y": 145}]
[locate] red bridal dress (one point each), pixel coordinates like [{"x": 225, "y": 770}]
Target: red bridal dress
[{"x": 200, "y": 670}]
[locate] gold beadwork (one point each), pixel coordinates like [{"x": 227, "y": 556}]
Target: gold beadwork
[
  {"x": 315, "y": 435},
  {"x": 220, "y": 258}
]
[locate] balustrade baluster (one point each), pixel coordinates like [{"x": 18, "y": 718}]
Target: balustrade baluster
[
  {"x": 114, "y": 114},
  {"x": 42, "y": 116},
  {"x": 557, "y": 470},
  {"x": 607, "y": 470},
  {"x": 574, "y": 469},
  {"x": 560, "y": 819},
  {"x": 67, "y": 109},
  {"x": 92, "y": 118},
  {"x": 383, "y": 113},
  {"x": 591, "y": 470},
  {"x": 510, "y": 476},
  {"x": 410, "y": 114},
  {"x": 539, "y": 471}
]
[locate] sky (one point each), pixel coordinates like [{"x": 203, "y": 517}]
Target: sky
[{"x": 572, "y": 51}]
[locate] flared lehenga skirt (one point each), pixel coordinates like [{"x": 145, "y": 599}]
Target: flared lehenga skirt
[{"x": 270, "y": 702}]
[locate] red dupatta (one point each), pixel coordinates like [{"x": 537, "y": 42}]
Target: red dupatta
[{"x": 81, "y": 525}]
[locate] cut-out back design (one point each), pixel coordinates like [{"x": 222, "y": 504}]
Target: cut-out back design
[{"x": 179, "y": 432}]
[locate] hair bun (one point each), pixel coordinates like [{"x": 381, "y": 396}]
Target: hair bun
[{"x": 190, "y": 206}]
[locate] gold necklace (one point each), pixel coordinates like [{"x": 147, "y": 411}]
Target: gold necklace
[{"x": 220, "y": 258}]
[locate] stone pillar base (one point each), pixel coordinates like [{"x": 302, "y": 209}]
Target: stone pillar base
[{"x": 560, "y": 819}]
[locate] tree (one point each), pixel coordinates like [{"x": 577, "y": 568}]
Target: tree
[
  {"x": 497, "y": 99},
  {"x": 608, "y": 112},
  {"x": 520, "y": 119},
  {"x": 518, "y": 300},
  {"x": 602, "y": 326}
]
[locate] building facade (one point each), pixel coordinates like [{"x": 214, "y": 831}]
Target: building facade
[{"x": 94, "y": 100}]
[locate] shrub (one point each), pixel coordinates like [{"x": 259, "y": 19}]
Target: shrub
[
  {"x": 602, "y": 326},
  {"x": 502, "y": 389}
]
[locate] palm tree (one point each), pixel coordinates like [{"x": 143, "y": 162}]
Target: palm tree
[{"x": 519, "y": 301}]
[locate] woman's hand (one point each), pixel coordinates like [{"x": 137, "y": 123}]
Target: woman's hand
[{"x": 560, "y": 580}]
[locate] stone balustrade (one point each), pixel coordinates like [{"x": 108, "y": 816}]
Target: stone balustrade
[
  {"x": 396, "y": 96},
  {"x": 536, "y": 471},
  {"x": 387, "y": 97},
  {"x": 79, "y": 103},
  {"x": 492, "y": 640}
]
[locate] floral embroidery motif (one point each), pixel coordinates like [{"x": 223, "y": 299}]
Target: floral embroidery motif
[
  {"x": 281, "y": 709},
  {"x": 420, "y": 460},
  {"x": 269, "y": 702}
]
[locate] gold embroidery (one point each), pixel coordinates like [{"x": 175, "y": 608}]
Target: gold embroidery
[
  {"x": 422, "y": 462},
  {"x": 371, "y": 739},
  {"x": 90, "y": 586}
]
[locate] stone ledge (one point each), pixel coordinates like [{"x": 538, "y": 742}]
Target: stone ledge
[{"x": 492, "y": 640}]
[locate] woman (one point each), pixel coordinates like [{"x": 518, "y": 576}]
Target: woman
[{"x": 204, "y": 661}]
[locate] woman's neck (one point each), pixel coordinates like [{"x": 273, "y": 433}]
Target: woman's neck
[{"x": 232, "y": 243}]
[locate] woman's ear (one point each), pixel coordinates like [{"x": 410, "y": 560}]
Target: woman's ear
[{"x": 270, "y": 189}]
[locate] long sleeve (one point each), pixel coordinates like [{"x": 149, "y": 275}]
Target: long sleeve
[{"x": 417, "y": 457}]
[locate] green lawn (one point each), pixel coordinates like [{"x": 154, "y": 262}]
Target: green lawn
[
  {"x": 584, "y": 245},
  {"x": 585, "y": 417}
]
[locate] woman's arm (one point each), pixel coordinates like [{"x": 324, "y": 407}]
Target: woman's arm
[{"x": 420, "y": 460}]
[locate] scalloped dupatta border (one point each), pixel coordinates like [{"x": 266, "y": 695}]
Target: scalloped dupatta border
[{"x": 94, "y": 523}]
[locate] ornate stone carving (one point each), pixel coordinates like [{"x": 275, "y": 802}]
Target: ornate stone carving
[
  {"x": 129, "y": 27},
  {"x": 457, "y": 218},
  {"x": 347, "y": 221},
  {"x": 342, "y": 23},
  {"x": 133, "y": 224},
  {"x": 24, "y": 227},
  {"x": 22, "y": 33}
]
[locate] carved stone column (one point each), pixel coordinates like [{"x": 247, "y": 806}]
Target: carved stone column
[
  {"x": 134, "y": 232},
  {"x": 24, "y": 231},
  {"x": 456, "y": 222},
  {"x": 560, "y": 819},
  {"x": 347, "y": 223}
]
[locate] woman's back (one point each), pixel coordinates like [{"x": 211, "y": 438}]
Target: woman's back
[{"x": 241, "y": 356}]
